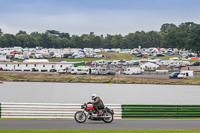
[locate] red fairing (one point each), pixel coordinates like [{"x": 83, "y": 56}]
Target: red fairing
[{"x": 90, "y": 108}]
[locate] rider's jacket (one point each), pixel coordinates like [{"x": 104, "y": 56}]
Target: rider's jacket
[{"x": 98, "y": 102}]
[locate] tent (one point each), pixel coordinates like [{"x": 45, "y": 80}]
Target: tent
[
  {"x": 20, "y": 51},
  {"x": 15, "y": 52}
]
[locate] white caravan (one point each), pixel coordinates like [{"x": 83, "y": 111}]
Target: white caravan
[{"x": 132, "y": 70}]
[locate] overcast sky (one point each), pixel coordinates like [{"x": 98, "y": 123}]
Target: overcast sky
[{"x": 98, "y": 16}]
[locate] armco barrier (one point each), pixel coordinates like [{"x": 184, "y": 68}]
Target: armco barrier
[
  {"x": 46, "y": 110},
  {"x": 0, "y": 110},
  {"x": 56, "y": 110},
  {"x": 136, "y": 111}
]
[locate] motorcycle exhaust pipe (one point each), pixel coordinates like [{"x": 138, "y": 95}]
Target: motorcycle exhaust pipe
[{"x": 104, "y": 116}]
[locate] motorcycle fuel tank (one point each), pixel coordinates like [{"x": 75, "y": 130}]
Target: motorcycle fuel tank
[{"x": 90, "y": 108}]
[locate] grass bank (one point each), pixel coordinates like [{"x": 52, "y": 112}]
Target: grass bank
[
  {"x": 105, "y": 131},
  {"x": 109, "y": 56},
  {"x": 54, "y": 77}
]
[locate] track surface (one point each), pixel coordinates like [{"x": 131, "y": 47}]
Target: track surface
[{"x": 117, "y": 124}]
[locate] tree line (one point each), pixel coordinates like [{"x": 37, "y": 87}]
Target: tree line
[{"x": 184, "y": 36}]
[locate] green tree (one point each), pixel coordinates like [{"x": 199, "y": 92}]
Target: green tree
[
  {"x": 66, "y": 35},
  {"x": 116, "y": 41},
  {"x": 76, "y": 42},
  {"x": 23, "y": 40},
  {"x": 153, "y": 39},
  {"x": 107, "y": 41},
  {"x": 21, "y": 32},
  {"x": 86, "y": 40},
  {"x": 165, "y": 28},
  {"x": 64, "y": 42},
  {"x": 1, "y": 33},
  {"x": 193, "y": 40},
  {"x": 9, "y": 40},
  {"x": 53, "y": 32},
  {"x": 2, "y": 41}
]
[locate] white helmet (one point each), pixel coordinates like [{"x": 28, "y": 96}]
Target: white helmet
[{"x": 94, "y": 96}]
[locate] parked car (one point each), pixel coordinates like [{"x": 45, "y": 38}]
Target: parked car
[
  {"x": 71, "y": 57},
  {"x": 1, "y": 69},
  {"x": 170, "y": 66},
  {"x": 196, "y": 64},
  {"x": 174, "y": 75},
  {"x": 110, "y": 72}
]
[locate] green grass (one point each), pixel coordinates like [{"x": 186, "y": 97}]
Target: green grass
[
  {"x": 117, "y": 56},
  {"x": 166, "y": 57},
  {"x": 7, "y": 77},
  {"x": 95, "y": 80},
  {"x": 74, "y": 60},
  {"x": 106, "y": 131},
  {"x": 16, "y": 60},
  {"x": 110, "y": 56}
]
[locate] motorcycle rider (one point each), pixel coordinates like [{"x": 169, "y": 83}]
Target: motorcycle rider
[{"x": 97, "y": 104}]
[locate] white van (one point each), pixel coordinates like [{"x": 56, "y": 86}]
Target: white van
[
  {"x": 132, "y": 70},
  {"x": 62, "y": 71},
  {"x": 78, "y": 70},
  {"x": 186, "y": 74}
]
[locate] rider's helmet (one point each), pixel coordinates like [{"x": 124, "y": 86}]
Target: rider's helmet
[{"x": 94, "y": 96}]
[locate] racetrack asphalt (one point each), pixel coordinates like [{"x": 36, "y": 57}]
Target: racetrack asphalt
[{"x": 116, "y": 124}]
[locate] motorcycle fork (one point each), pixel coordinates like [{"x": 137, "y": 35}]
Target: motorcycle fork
[{"x": 87, "y": 114}]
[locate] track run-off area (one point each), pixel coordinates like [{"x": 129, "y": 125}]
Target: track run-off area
[{"x": 116, "y": 124}]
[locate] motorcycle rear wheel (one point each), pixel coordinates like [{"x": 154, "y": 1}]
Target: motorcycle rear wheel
[
  {"x": 80, "y": 117},
  {"x": 108, "y": 120}
]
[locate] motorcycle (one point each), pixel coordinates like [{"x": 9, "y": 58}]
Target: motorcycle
[{"x": 89, "y": 112}]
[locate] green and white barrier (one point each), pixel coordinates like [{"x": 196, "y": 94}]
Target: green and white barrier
[
  {"x": 147, "y": 111},
  {"x": 59, "y": 110},
  {"x": 0, "y": 110}
]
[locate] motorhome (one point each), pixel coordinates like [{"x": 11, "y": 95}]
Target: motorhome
[
  {"x": 186, "y": 74},
  {"x": 100, "y": 62},
  {"x": 133, "y": 62},
  {"x": 115, "y": 62},
  {"x": 38, "y": 56},
  {"x": 132, "y": 70},
  {"x": 99, "y": 71},
  {"x": 19, "y": 56}
]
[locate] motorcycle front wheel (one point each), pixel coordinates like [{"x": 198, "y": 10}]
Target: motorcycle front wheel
[
  {"x": 108, "y": 117},
  {"x": 80, "y": 117}
]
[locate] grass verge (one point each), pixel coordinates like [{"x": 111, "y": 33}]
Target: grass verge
[{"x": 54, "y": 77}]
